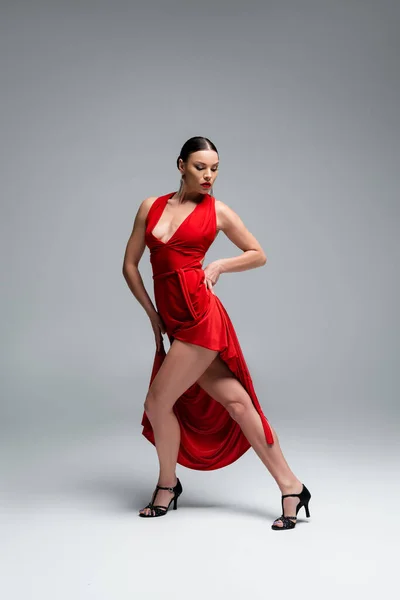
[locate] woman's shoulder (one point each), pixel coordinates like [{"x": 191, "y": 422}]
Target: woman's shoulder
[
  {"x": 226, "y": 216},
  {"x": 220, "y": 212},
  {"x": 221, "y": 208},
  {"x": 145, "y": 206},
  {"x": 148, "y": 202}
]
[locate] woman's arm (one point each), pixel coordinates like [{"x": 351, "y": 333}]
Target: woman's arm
[
  {"x": 253, "y": 255},
  {"x": 231, "y": 224},
  {"x": 133, "y": 253}
]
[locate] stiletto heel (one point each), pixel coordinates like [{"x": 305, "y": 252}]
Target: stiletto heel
[
  {"x": 287, "y": 523},
  {"x": 160, "y": 511}
]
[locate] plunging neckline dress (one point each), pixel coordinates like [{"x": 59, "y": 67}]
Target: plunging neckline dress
[{"x": 210, "y": 437}]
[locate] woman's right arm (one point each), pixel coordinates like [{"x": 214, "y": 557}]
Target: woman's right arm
[{"x": 133, "y": 253}]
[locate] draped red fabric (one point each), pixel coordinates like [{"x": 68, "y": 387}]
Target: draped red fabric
[{"x": 210, "y": 438}]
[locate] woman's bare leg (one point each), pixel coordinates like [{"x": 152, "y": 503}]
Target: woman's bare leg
[
  {"x": 182, "y": 366},
  {"x": 219, "y": 381}
]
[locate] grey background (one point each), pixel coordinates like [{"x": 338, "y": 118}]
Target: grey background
[{"x": 301, "y": 99}]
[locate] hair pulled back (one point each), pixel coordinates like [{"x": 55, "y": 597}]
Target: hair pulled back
[{"x": 194, "y": 144}]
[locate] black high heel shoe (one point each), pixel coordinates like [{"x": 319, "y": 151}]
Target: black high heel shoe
[
  {"x": 160, "y": 511},
  {"x": 304, "y": 497}
]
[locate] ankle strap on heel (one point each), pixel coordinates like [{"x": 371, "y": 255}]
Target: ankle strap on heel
[{"x": 170, "y": 489}]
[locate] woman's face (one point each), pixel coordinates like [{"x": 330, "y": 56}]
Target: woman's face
[{"x": 201, "y": 168}]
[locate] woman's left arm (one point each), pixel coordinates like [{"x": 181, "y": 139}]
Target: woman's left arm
[{"x": 252, "y": 256}]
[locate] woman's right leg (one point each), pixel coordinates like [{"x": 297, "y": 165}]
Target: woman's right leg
[{"x": 183, "y": 364}]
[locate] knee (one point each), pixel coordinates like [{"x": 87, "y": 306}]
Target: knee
[
  {"x": 154, "y": 405},
  {"x": 151, "y": 405},
  {"x": 238, "y": 409}
]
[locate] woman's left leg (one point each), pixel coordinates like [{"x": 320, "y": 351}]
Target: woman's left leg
[{"x": 222, "y": 385}]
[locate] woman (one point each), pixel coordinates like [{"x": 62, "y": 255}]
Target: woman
[{"x": 201, "y": 409}]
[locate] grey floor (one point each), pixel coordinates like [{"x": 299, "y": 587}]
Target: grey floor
[{"x": 70, "y": 528}]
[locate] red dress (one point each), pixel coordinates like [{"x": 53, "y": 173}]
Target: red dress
[{"x": 210, "y": 437}]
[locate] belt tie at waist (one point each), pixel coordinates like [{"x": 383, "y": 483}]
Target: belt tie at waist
[
  {"x": 182, "y": 281},
  {"x": 179, "y": 270}
]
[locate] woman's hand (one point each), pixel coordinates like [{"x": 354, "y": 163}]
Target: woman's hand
[
  {"x": 212, "y": 273},
  {"x": 158, "y": 328}
]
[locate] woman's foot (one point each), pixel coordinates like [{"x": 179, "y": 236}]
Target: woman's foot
[
  {"x": 289, "y": 504},
  {"x": 163, "y": 497}
]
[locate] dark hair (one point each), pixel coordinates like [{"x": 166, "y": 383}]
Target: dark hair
[{"x": 193, "y": 145}]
